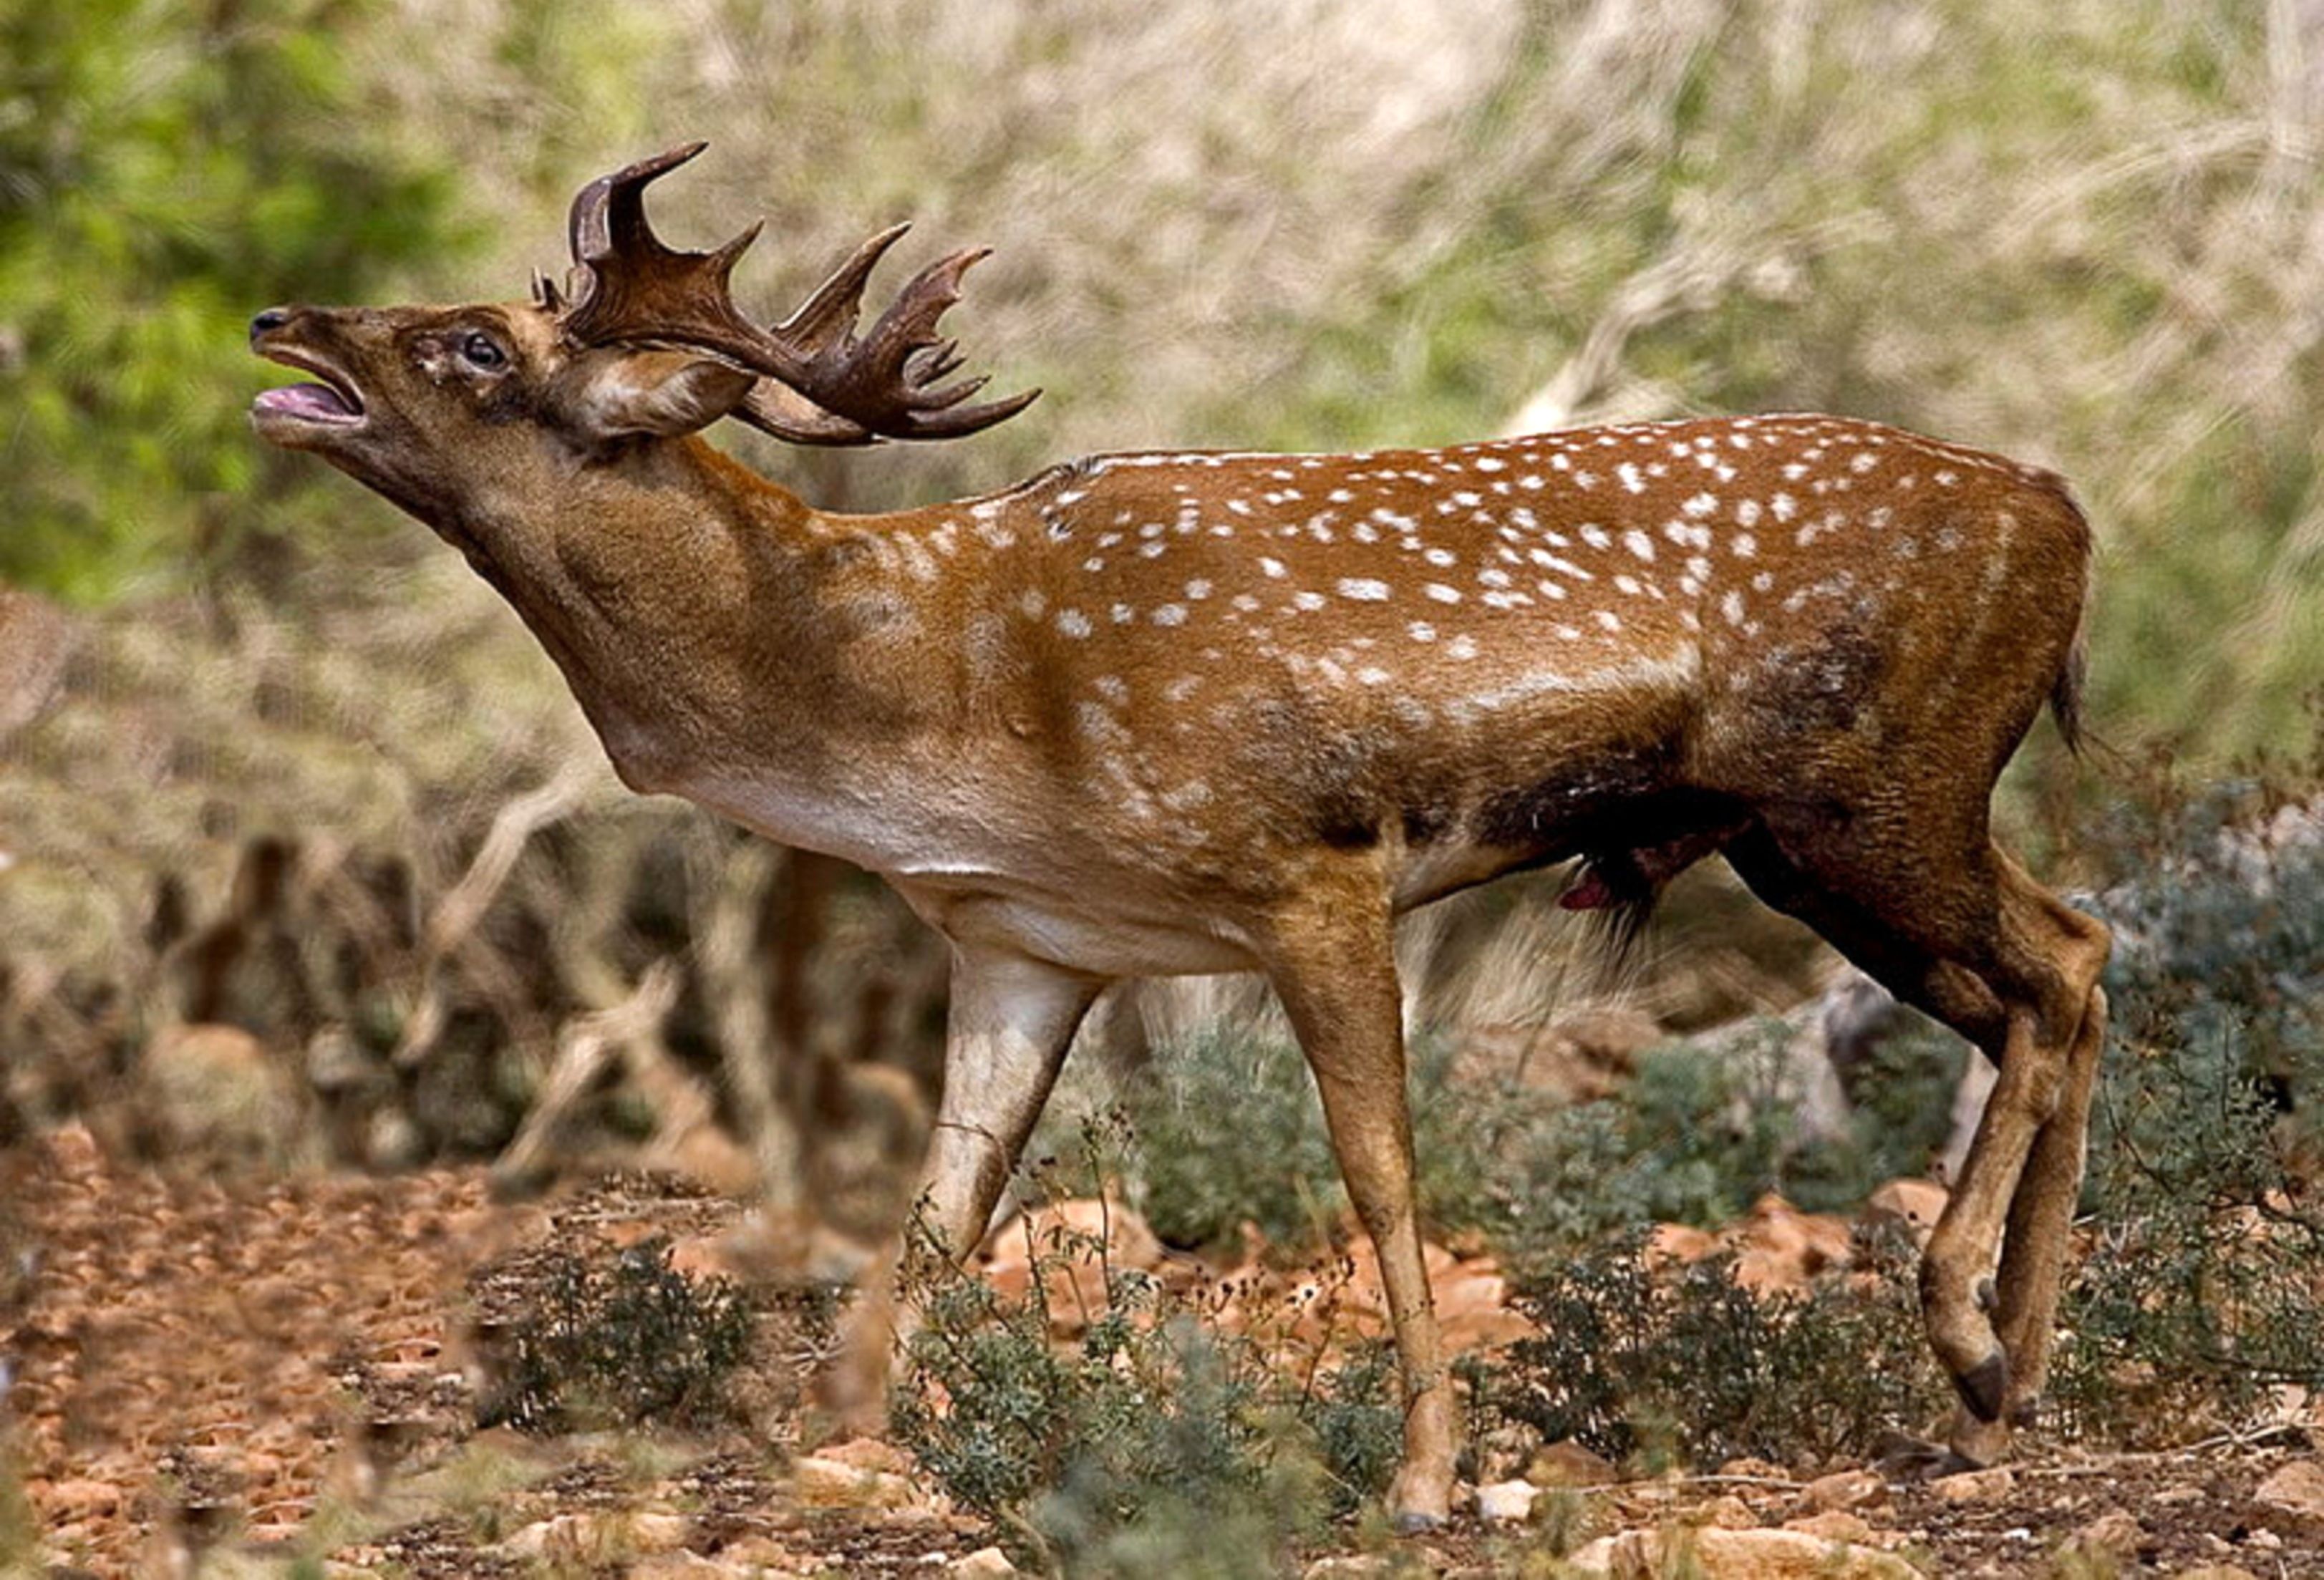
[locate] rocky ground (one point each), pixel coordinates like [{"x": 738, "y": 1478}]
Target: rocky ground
[{"x": 284, "y": 1378}]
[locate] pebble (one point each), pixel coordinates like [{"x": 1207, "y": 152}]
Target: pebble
[
  {"x": 827, "y": 1484},
  {"x": 2297, "y": 1488},
  {"x": 1506, "y": 1502},
  {"x": 1974, "y": 1486},
  {"x": 1846, "y": 1489}
]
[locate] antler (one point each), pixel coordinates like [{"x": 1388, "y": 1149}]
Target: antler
[{"x": 629, "y": 287}]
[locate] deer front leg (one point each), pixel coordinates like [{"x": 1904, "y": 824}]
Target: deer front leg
[
  {"x": 1333, "y": 965},
  {"x": 1011, "y": 1020}
]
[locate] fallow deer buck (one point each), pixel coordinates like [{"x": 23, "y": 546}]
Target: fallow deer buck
[{"x": 1201, "y": 711}]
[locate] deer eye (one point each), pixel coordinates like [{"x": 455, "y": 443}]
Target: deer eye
[{"x": 482, "y": 350}]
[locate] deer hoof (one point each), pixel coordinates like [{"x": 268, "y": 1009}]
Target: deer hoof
[
  {"x": 1985, "y": 1386},
  {"x": 1902, "y": 1457}
]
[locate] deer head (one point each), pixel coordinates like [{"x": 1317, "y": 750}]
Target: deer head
[{"x": 643, "y": 343}]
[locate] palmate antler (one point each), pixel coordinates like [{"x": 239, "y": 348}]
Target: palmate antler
[{"x": 630, "y": 289}]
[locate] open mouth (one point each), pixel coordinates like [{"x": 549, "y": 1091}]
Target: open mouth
[{"x": 333, "y": 401}]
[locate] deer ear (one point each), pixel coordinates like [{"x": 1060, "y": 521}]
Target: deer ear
[{"x": 658, "y": 394}]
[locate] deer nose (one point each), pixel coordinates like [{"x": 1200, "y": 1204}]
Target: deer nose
[{"x": 274, "y": 317}]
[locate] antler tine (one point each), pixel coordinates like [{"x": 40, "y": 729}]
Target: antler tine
[
  {"x": 896, "y": 369},
  {"x": 629, "y": 286},
  {"x": 828, "y": 317}
]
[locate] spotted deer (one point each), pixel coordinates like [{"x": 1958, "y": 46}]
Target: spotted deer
[{"x": 1202, "y": 711}]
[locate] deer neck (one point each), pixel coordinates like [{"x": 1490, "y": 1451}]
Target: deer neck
[{"x": 712, "y": 625}]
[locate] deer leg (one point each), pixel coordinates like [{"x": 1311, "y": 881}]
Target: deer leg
[
  {"x": 1010, "y": 1020},
  {"x": 2042, "y": 1209},
  {"x": 2011, "y": 968},
  {"x": 1333, "y": 966}
]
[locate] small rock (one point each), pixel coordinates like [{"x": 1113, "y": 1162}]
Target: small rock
[
  {"x": 2297, "y": 1488},
  {"x": 682, "y": 1566},
  {"x": 2115, "y": 1531},
  {"x": 1678, "y": 1245},
  {"x": 1974, "y": 1486},
  {"x": 76, "y": 1499},
  {"x": 651, "y": 1530},
  {"x": 1846, "y": 1489},
  {"x": 1591, "y": 1558},
  {"x": 1834, "y": 1525},
  {"x": 1348, "y": 1567},
  {"x": 1762, "y": 1469},
  {"x": 561, "y": 1535},
  {"x": 867, "y": 1454},
  {"x": 1727, "y": 1511},
  {"x": 827, "y": 1484},
  {"x": 1717, "y": 1554},
  {"x": 2266, "y": 1540},
  {"x": 1913, "y": 1204},
  {"x": 1567, "y": 1463},
  {"x": 1506, "y": 1502},
  {"x": 983, "y": 1564}
]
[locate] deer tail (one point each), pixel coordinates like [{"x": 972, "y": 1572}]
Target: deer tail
[{"x": 2066, "y": 688}]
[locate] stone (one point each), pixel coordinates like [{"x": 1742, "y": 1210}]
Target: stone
[
  {"x": 1726, "y": 1510},
  {"x": 867, "y": 1454},
  {"x": 2117, "y": 1531},
  {"x": 829, "y": 1483},
  {"x": 1836, "y": 1525},
  {"x": 1066, "y": 1236},
  {"x": 1974, "y": 1486},
  {"x": 2297, "y": 1488},
  {"x": 1506, "y": 1502},
  {"x": 1846, "y": 1489},
  {"x": 983, "y": 1564},
  {"x": 1677, "y": 1244},
  {"x": 1912, "y": 1205},
  {"x": 1717, "y": 1554},
  {"x": 75, "y": 1498},
  {"x": 1591, "y": 1558},
  {"x": 1567, "y": 1463}
]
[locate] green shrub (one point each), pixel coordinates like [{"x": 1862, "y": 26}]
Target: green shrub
[
  {"x": 2203, "y": 1290},
  {"x": 1687, "y": 1366},
  {"x": 1228, "y": 1130},
  {"x": 1155, "y": 1442},
  {"x": 631, "y": 1341}
]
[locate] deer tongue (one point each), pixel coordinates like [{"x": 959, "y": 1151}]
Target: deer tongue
[{"x": 317, "y": 403}]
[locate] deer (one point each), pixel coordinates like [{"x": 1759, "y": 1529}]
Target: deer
[{"x": 1195, "y": 711}]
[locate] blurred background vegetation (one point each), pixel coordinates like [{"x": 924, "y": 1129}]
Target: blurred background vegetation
[{"x": 2089, "y": 234}]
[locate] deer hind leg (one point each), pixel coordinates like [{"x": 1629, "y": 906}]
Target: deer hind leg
[
  {"x": 1333, "y": 965},
  {"x": 1011, "y": 1022},
  {"x": 2042, "y": 1208},
  {"x": 1979, "y": 944}
]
